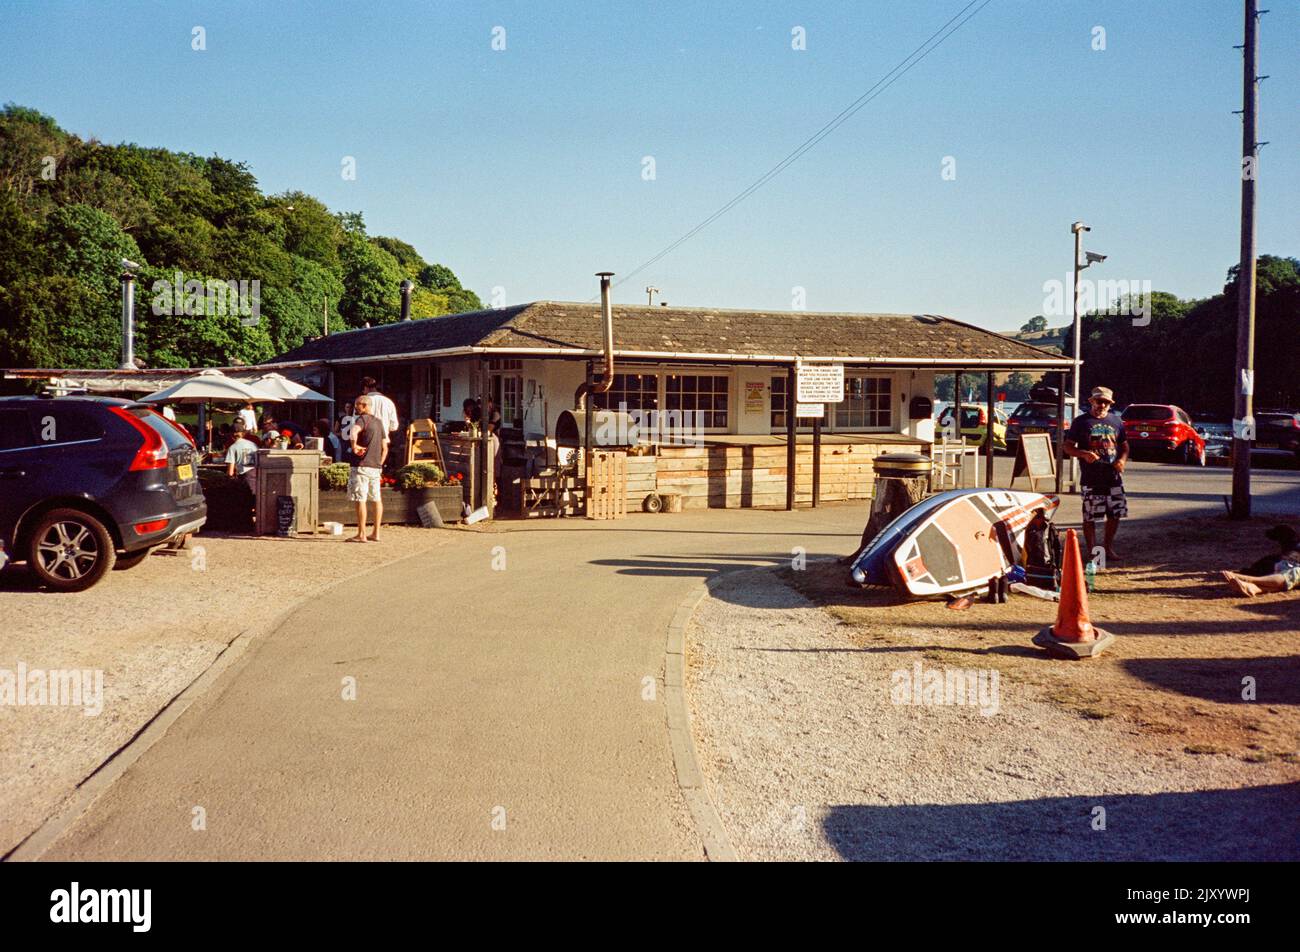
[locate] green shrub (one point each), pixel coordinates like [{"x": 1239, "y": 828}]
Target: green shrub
[
  {"x": 334, "y": 476},
  {"x": 419, "y": 475}
]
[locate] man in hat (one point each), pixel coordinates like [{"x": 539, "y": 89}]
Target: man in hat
[
  {"x": 1097, "y": 440},
  {"x": 1285, "y": 576}
]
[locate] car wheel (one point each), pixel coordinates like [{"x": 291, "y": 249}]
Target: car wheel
[
  {"x": 131, "y": 560},
  {"x": 70, "y": 550}
]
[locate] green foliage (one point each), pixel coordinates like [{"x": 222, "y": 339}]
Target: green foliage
[
  {"x": 1034, "y": 324},
  {"x": 70, "y": 210},
  {"x": 419, "y": 475},
  {"x": 1186, "y": 355},
  {"x": 334, "y": 476}
]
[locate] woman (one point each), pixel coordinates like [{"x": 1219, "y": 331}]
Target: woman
[{"x": 333, "y": 446}]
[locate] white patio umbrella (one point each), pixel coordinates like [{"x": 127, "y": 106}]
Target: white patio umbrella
[
  {"x": 280, "y": 387},
  {"x": 210, "y": 386},
  {"x": 207, "y": 387}
]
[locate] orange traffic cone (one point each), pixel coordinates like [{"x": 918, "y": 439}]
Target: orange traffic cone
[
  {"x": 1072, "y": 622},
  {"x": 1073, "y": 636}
]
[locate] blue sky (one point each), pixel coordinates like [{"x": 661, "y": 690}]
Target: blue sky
[{"x": 523, "y": 168}]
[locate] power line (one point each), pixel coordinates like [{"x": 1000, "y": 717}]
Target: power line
[{"x": 905, "y": 65}]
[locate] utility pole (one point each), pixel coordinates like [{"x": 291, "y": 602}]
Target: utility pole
[
  {"x": 1243, "y": 421},
  {"x": 1077, "y": 331}
]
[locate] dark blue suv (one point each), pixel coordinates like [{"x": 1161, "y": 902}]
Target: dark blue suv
[{"x": 89, "y": 483}]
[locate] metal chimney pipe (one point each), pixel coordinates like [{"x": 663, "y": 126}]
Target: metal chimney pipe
[
  {"x": 407, "y": 287},
  {"x": 128, "y": 315},
  {"x": 607, "y": 316}
]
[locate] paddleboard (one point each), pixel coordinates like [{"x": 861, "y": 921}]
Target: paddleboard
[
  {"x": 954, "y": 547},
  {"x": 873, "y": 565}
]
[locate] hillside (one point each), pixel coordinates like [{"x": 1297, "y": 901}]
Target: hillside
[{"x": 71, "y": 209}]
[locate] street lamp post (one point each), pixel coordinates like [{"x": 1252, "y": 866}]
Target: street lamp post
[{"x": 1077, "y": 329}]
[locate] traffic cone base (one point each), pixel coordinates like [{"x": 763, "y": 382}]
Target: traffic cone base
[{"x": 1073, "y": 650}]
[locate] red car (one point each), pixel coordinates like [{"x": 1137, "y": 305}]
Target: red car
[{"x": 1164, "y": 430}]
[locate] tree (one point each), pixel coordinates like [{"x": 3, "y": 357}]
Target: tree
[{"x": 1034, "y": 325}]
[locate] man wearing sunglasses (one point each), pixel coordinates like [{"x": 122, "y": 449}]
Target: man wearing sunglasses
[{"x": 1097, "y": 440}]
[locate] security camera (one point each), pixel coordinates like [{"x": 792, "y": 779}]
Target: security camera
[
  {"x": 1094, "y": 258},
  {"x": 129, "y": 265}
]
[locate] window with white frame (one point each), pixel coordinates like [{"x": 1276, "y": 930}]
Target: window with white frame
[
  {"x": 778, "y": 421},
  {"x": 705, "y": 395},
  {"x": 633, "y": 390},
  {"x": 868, "y": 403}
]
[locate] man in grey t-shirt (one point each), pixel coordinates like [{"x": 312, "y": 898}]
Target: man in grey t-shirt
[{"x": 369, "y": 449}]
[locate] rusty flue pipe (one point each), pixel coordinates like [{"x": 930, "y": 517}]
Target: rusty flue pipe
[{"x": 606, "y": 380}]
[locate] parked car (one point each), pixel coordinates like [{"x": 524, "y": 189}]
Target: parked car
[
  {"x": 88, "y": 484},
  {"x": 1216, "y": 431},
  {"x": 974, "y": 424},
  {"x": 1277, "y": 430},
  {"x": 1162, "y": 429},
  {"x": 1034, "y": 416}
]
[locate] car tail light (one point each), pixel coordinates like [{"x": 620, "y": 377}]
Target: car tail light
[
  {"x": 144, "y": 528},
  {"x": 152, "y": 453}
]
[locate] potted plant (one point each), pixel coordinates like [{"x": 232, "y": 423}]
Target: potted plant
[{"x": 402, "y": 494}]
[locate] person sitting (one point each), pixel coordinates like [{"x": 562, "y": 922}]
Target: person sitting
[
  {"x": 331, "y": 445},
  {"x": 1285, "y": 576},
  {"x": 289, "y": 440}
]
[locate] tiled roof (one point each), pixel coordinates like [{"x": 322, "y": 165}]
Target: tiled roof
[{"x": 678, "y": 330}]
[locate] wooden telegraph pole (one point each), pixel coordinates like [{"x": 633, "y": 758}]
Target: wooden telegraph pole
[{"x": 1244, "y": 385}]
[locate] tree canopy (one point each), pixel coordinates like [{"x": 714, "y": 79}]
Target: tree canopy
[{"x": 71, "y": 210}]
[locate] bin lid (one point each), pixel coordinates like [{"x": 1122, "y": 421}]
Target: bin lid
[{"x": 901, "y": 464}]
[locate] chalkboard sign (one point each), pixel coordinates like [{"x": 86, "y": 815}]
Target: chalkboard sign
[
  {"x": 1035, "y": 459},
  {"x": 286, "y": 515}
]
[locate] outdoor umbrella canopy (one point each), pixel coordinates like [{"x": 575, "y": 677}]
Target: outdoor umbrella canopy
[
  {"x": 210, "y": 386},
  {"x": 279, "y": 387}
]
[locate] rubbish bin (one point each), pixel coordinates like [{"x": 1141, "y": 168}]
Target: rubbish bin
[
  {"x": 293, "y": 474},
  {"x": 902, "y": 480}
]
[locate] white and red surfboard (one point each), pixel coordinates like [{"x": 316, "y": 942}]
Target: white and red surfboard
[{"x": 955, "y": 548}]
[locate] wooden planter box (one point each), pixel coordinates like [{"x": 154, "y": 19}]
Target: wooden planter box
[{"x": 401, "y": 506}]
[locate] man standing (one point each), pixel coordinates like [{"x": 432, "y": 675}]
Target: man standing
[
  {"x": 369, "y": 447},
  {"x": 380, "y": 406},
  {"x": 241, "y": 457},
  {"x": 1097, "y": 440}
]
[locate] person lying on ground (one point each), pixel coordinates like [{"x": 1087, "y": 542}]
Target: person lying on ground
[{"x": 1285, "y": 576}]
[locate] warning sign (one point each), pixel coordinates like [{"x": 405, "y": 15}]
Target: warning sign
[{"x": 819, "y": 383}]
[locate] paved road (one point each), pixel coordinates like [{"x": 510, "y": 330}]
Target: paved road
[{"x": 478, "y": 689}]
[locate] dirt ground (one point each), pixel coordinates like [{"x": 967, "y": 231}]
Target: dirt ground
[
  {"x": 151, "y": 631},
  {"x": 1174, "y": 676}
]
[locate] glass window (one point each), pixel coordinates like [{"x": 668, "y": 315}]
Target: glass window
[
  {"x": 778, "y": 422},
  {"x": 636, "y": 391},
  {"x": 706, "y": 395},
  {"x": 867, "y": 404}
]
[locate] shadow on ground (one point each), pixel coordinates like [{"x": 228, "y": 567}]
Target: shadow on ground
[
  {"x": 1277, "y": 679},
  {"x": 1256, "y": 824}
]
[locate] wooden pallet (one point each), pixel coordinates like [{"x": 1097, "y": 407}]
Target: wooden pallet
[{"x": 607, "y": 485}]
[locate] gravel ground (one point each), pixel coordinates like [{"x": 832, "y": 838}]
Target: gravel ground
[
  {"x": 151, "y": 630},
  {"x": 807, "y": 757}
]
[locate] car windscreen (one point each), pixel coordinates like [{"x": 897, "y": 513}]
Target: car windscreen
[
  {"x": 1034, "y": 412},
  {"x": 1148, "y": 412}
]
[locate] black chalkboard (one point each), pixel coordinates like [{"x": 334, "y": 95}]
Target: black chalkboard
[{"x": 286, "y": 515}]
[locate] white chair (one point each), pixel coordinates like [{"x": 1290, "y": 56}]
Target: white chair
[{"x": 948, "y": 470}]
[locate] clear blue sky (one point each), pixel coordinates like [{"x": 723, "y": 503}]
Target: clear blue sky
[{"x": 523, "y": 168}]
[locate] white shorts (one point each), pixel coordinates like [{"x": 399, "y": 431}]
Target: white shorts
[{"x": 363, "y": 483}]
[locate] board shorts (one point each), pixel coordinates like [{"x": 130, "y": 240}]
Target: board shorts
[
  {"x": 1108, "y": 503},
  {"x": 1289, "y": 569},
  {"x": 363, "y": 483}
]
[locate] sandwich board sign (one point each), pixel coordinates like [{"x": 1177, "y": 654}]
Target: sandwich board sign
[
  {"x": 819, "y": 383},
  {"x": 1035, "y": 459}
]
